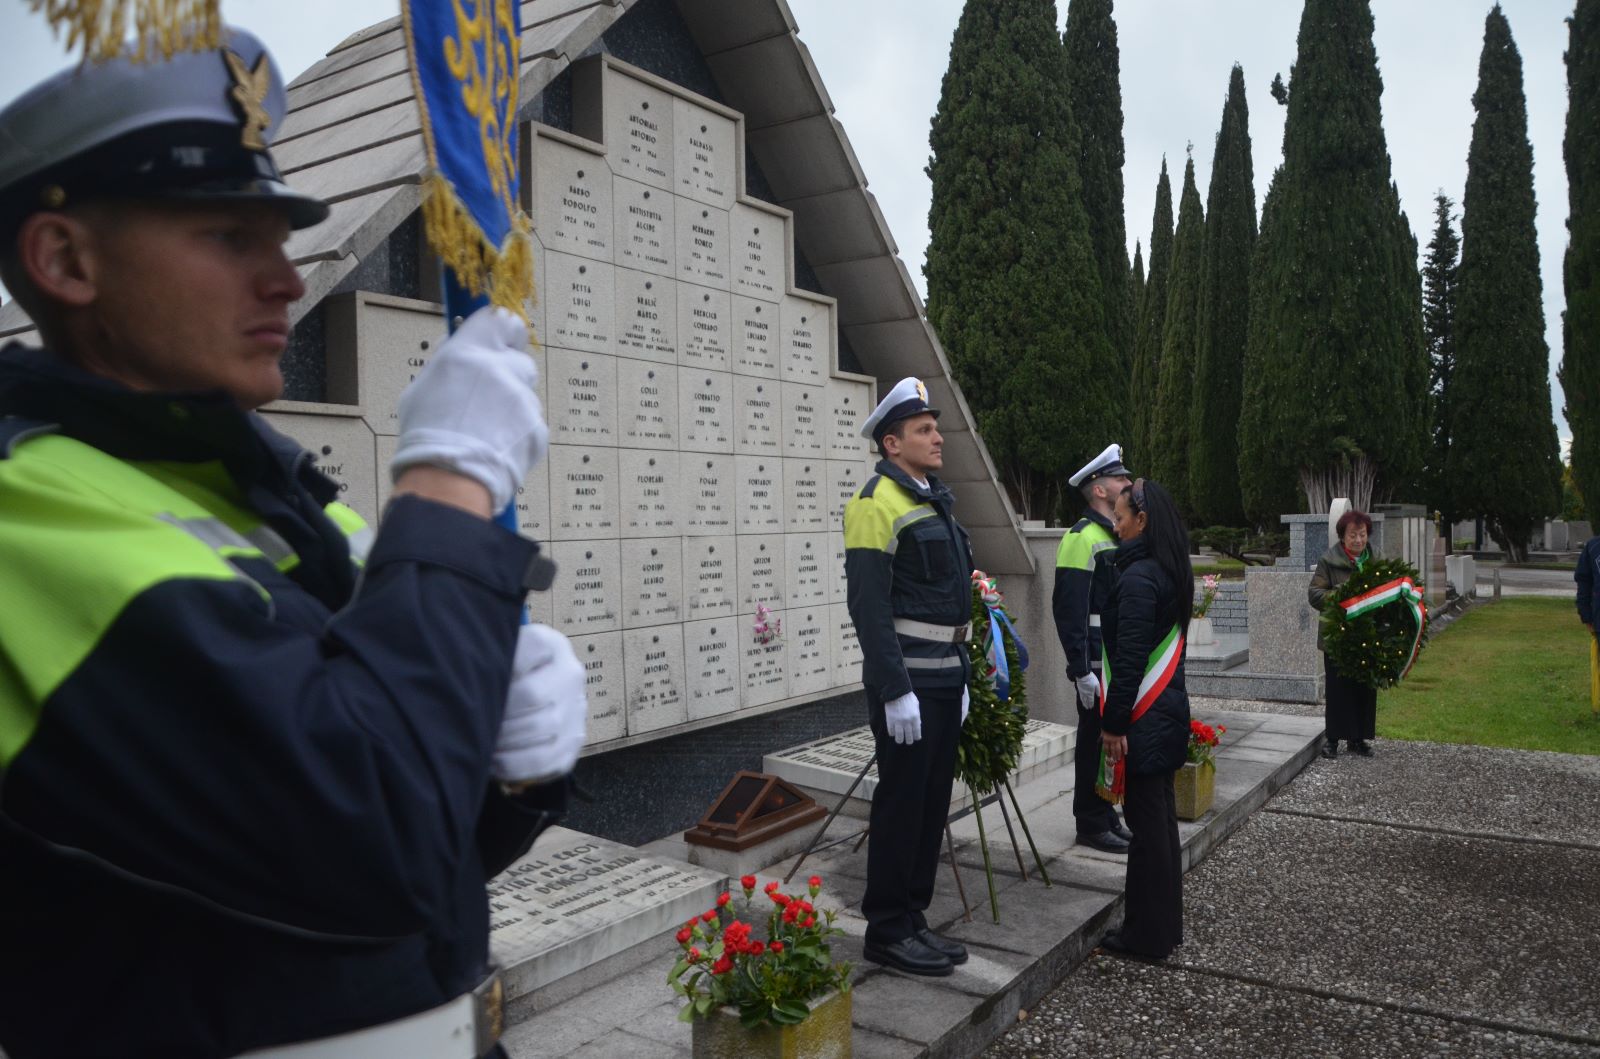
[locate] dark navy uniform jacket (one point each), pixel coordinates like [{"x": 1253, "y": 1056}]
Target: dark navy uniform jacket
[
  {"x": 1587, "y": 575},
  {"x": 244, "y": 795}
]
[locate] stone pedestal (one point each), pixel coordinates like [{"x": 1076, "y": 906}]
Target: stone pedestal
[{"x": 1283, "y": 627}]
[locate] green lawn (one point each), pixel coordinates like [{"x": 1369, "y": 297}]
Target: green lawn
[
  {"x": 1220, "y": 565},
  {"x": 1512, "y": 674}
]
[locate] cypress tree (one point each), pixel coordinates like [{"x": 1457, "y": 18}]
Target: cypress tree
[
  {"x": 1136, "y": 280},
  {"x": 1169, "y": 454},
  {"x": 1439, "y": 332},
  {"x": 1335, "y": 373},
  {"x": 1095, "y": 87},
  {"x": 1580, "y": 355},
  {"x": 1013, "y": 290},
  {"x": 1503, "y": 460},
  {"x": 1146, "y": 375},
  {"x": 1222, "y": 325}
]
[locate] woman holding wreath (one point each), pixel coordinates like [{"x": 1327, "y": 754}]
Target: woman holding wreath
[
  {"x": 1145, "y": 709},
  {"x": 1352, "y": 707}
]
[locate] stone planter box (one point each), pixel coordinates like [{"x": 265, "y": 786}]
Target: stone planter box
[
  {"x": 1195, "y": 786},
  {"x": 825, "y": 1035}
]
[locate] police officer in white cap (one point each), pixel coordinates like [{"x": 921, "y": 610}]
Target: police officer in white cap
[
  {"x": 1085, "y": 578},
  {"x": 256, "y": 763},
  {"x": 908, "y": 565}
]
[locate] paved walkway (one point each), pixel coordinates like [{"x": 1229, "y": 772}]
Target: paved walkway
[{"x": 1432, "y": 901}]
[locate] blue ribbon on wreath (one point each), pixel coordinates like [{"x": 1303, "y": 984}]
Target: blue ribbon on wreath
[{"x": 999, "y": 668}]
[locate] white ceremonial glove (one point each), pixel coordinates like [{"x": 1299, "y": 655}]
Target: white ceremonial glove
[
  {"x": 546, "y": 710},
  {"x": 903, "y": 717},
  {"x": 1088, "y": 690},
  {"x": 473, "y": 410},
  {"x": 966, "y": 703}
]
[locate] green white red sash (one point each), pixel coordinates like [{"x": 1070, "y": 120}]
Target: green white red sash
[
  {"x": 1401, "y": 589},
  {"x": 1112, "y": 778}
]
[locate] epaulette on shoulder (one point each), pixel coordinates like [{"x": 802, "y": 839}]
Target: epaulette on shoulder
[
  {"x": 871, "y": 487},
  {"x": 14, "y": 430},
  {"x": 1078, "y": 526}
]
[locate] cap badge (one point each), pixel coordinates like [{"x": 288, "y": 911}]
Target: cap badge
[
  {"x": 250, "y": 88},
  {"x": 922, "y": 391}
]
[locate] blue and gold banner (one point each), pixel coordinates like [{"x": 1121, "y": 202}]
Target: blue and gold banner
[{"x": 465, "y": 68}]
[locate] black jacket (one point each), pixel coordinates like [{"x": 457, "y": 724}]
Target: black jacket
[
  {"x": 1085, "y": 579},
  {"x": 1140, "y": 613},
  {"x": 1587, "y": 575}
]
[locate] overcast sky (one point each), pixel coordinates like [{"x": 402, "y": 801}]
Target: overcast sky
[{"x": 882, "y": 61}]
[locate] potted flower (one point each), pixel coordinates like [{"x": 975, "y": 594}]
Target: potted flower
[
  {"x": 1200, "y": 631},
  {"x": 1195, "y": 784},
  {"x": 782, "y": 995}
]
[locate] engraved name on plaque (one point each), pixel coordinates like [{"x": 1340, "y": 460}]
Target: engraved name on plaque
[
  {"x": 653, "y": 576},
  {"x": 761, "y": 559},
  {"x": 653, "y": 661},
  {"x": 757, "y": 416},
  {"x": 711, "y": 658},
  {"x": 705, "y": 410},
  {"x": 838, "y": 587},
  {"x": 762, "y": 670},
  {"x": 807, "y": 342},
  {"x": 583, "y": 398},
  {"x": 533, "y": 502},
  {"x": 344, "y": 449},
  {"x": 646, "y": 228},
  {"x": 647, "y": 316},
  {"x": 709, "y": 484},
  {"x": 757, "y": 242},
  {"x": 846, "y": 648},
  {"x": 601, "y": 656},
  {"x": 578, "y": 295},
  {"x": 810, "y": 654},
  {"x": 647, "y": 413},
  {"x": 758, "y": 506},
  {"x": 805, "y": 580},
  {"x": 703, "y": 327},
  {"x": 704, "y": 160},
  {"x": 572, "y": 189},
  {"x": 710, "y": 568},
  {"x": 755, "y": 337},
  {"x": 638, "y": 130},
  {"x": 588, "y": 587},
  {"x": 802, "y": 420},
  {"x": 844, "y": 478},
  {"x": 703, "y": 244},
  {"x": 583, "y": 492},
  {"x": 650, "y": 492},
  {"x": 803, "y": 484},
  {"x": 846, "y": 405}
]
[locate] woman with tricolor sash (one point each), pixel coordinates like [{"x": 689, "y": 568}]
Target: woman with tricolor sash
[
  {"x": 1351, "y": 713},
  {"x": 1145, "y": 710}
]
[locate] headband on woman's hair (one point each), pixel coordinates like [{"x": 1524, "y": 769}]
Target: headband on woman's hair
[{"x": 1136, "y": 494}]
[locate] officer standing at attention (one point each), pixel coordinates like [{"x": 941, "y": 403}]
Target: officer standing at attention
[
  {"x": 1085, "y": 577},
  {"x": 909, "y": 566},
  {"x": 256, "y": 762}
]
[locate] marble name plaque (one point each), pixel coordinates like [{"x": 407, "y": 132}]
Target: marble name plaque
[
  {"x": 758, "y": 504},
  {"x": 705, "y": 410},
  {"x": 704, "y": 316},
  {"x": 601, "y": 656},
  {"x": 708, "y": 483},
  {"x": 846, "y": 405},
  {"x": 650, "y": 492},
  {"x": 838, "y": 586},
  {"x": 387, "y": 341},
  {"x": 702, "y": 245},
  {"x": 846, "y": 648},
  {"x": 806, "y": 349},
  {"x": 578, "y": 297},
  {"x": 711, "y": 658},
  {"x": 533, "y": 503},
  {"x": 762, "y": 669},
  {"x": 583, "y": 493},
  {"x": 703, "y": 161},
  {"x": 646, "y": 228},
  {"x": 844, "y": 478},
  {"x": 344, "y": 449},
  {"x": 805, "y": 579},
  {"x": 757, "y": 241},
  {"x": 755, "y": 337},
  {"x": 582, "y": 409},
  {"x": 804, "y": 483},
  {"x": 758, "y": 415},
  {"x": 710, "y": 567},
  {"x": 572, "y": 199},
  {"x": 587, "y": 592},
  {"x": 653, "y": 661},
  {"x": 653, "y": 576},
  {"x": 802, "y": 420},
  {"x": 638, "y": 123},
  {"x": 807, "y": 632},
  {"x": 647, "y": 404},
  {"x": 647, "y": 316},
  {"x": 761, "y": 575}
]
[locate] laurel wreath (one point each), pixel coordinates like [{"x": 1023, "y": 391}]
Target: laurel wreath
[
  {"x": 1373, "y": 648},
  {"x": 991, "y": 739}
]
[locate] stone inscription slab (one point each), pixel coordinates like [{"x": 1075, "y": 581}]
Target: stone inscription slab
[
  {"x": 710, "y": 568},
  {"x": 705, "y": 410},
  {"x": 757, "y": 253},
  {"x": 762, "y": 669},
  {"x": 588, "y": 589},
  {"x": 711, "y": 658},
  {"x": 583, "y": 398},
  {"x": 647, "y": 316},
  {"x": 807, "y": 557},
  {"x": 802, "y": 420},
  {"x": 601, "y": 656},
  {"x": 345, "y": 450},
  {"x": 703, "y": 327},
  {"x": 533, "y": 503},
  {"x": 708, "y": 483},
  {"x": 653, "y": 660},
  {"x": 638, "y": 123},
  {"x": 650, "y": 492},
  {"x": 810, "y": 653},
  {"x": 702, "y": 245},
  {"x": 652, "y": 576},
  {"x": 646, "y": 228},
  {"x": 704, "y": 159},
  {"x": 844, "y": 478},
  {"x": 846, "y": 648},
  {"x": 758, "y": 503},
  {"x": 578, "y": 297},
  {"x": 647, "y": 404},
  {"x": 803, "y": 486},
  {"x": 761, "y": 559},
  {"x": 758, "y": 416},
  {"x": 806, "y": 351},
  {"x": 583, "y": 492},
  {"x": 846, "y": 405},
  {"x": 392, "y": 345},
  {"x": 572, "y": 211},
  {"x": 838, "y": 586},
  {"x": 755, "y": 337}
]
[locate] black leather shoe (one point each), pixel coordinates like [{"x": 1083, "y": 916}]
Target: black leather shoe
[
  {"x": 911, "y": 956},
  {"x": 1113, "y": 942},
  {"x": 953, "y": 951},
  {"x": 1362, "y": 747},
  {"x": 1330, "y": 749},
  {"x": 1121, "y": 831},
  {"x": 1105, "y": 842}
]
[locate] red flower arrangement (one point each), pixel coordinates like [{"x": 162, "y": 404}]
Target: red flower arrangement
[
  {"x": 768, "y": 981},
  {"x": 1202, "y": 740}
]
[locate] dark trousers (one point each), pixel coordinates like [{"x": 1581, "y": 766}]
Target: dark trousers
[
  {"x": 1093, "y": 813},
  {"x": 909, "y": 810},
  {"x": 1352, "y": 709},
  {"x": 1153, "y": 921}
]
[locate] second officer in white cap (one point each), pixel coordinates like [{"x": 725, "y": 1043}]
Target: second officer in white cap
[{"x": 909, "y": 565}]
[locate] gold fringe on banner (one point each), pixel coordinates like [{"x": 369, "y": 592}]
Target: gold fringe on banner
[
  {"x": 161, "y": 27},
  {"x": 504, "y": 273}
]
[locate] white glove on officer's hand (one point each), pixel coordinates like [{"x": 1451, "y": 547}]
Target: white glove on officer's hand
[
  {"x": 966, "y": 703},
  {"x": 1088, "y": 690},
  {"x": 546, "y": 710},
  {"x": 472, "y": 409},
  {"x": 903, "y": 717}
]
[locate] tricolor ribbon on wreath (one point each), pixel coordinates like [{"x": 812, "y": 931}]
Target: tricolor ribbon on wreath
[
  {"x": 1111, "y": 781},
  {"x": 998, "y": 669},
  {"x": 1402, "y": 590}
]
